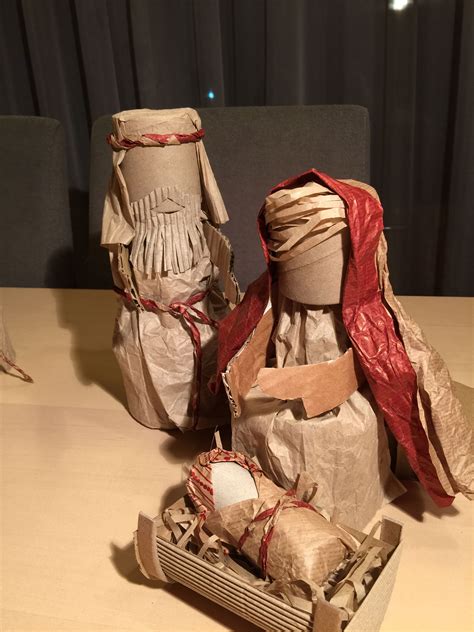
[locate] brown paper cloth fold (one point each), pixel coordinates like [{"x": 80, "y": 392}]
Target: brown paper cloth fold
[
  {"x": 160, "y": 225},
  {"x": 450, "y": 433}
]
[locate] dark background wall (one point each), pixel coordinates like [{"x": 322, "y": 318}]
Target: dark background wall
[{"x": 76, "y": 60}]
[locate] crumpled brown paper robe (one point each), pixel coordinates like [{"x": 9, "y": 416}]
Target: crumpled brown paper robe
[
  {"x": 450, "y": 433},
  {"x": 160, "y": 224},
  {"x": 344, "y": 449}
]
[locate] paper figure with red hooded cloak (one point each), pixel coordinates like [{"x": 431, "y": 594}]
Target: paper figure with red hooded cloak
[{"x": 311, "y": 379}]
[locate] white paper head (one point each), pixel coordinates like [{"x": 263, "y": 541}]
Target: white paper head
[{"x": 232, "y": 483}]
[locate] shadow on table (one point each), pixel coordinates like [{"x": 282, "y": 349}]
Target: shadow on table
[
  {"x": 222, "y": 616},
  {"x": 90, "y": 315},
  {"x": 416, "y": 503},
  {"x": 181, "y": 447},
  {"x": 125, "y": 564},
  {"x": 171, "y": 495}
]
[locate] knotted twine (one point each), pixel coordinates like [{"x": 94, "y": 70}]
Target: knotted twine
[
  {"x": 271, "y": 515},
  {"x": 155, "y": 140}
]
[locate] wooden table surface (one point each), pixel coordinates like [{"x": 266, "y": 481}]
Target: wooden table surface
[{"x": 77, "y": 469}]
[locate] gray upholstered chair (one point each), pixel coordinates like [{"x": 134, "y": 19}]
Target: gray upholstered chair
[
  {"x": 250, "y": 150},
  {"x": 95, "y": 271},
  {"x": 36, "y": 242}
]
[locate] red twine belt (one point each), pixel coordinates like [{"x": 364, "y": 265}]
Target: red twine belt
[
  {"x": 158, "y": 140},
  {"x": 271, "y": 515},
  {"x": 184, "y": 309}
]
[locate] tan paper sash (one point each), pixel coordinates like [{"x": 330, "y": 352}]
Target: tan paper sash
[{"x": 321, "y": 386}]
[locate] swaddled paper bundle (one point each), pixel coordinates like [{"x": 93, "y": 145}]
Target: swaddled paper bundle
[
  {"x": 280, "y": 532},
  {"x": 161, "y": 219},
  {"x": 408, "y": 381}
]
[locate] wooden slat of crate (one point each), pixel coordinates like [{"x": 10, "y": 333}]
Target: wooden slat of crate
[{"x": 265, "y": 611}]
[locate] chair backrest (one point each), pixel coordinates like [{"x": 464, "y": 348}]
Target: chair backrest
[
  {"x": 251, "y": 149},
  {"x": 95, "y": 271},
  {"x": 36, "y": 245}
]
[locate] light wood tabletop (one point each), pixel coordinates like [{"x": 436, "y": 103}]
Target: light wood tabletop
[{"x": 77, "y": 469}]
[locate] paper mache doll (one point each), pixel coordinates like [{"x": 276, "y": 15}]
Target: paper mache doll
[
  {"x": 161, "y": 225},
  {"x": 312, "y": 379}
]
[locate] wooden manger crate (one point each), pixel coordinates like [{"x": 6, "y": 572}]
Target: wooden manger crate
[{"x": 159, "y": 558}]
